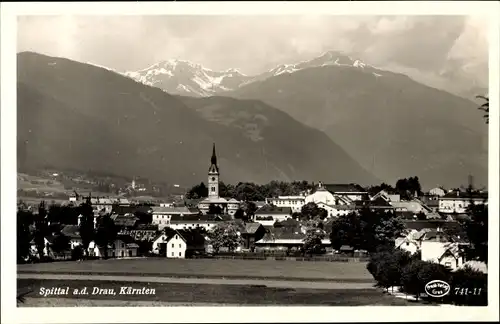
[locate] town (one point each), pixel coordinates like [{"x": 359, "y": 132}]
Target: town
[{"x": 300, "y": 226}]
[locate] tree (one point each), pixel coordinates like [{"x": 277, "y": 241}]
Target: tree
[
  {"x": 240, "y": 214},
  {"x": 224, "y": 235},
  {"x": 418, "y": 273},
  {"x": 106, "y": 233},
  {"x": 476, "y": 281},
  {"x": 366, "y": 229},
  {"x": 347, "y": 230},
  {"x": 24, "y": 220},
  {"x": 197, "y": 191},
  {"x": 214, "y": 210},
  {"x": 87, "y": 230},
  {"x": 250, "y": 208},
  {"x": 41, "y": 229},
  {"x": 476, "y": 227},
  {"x": 485, "y": 107},
  {"x": 387, "y": 265},
  {"x": 311, "y": 210},
  {"x": 312, "y": 241},
  {"x": 60, "y": 243}
]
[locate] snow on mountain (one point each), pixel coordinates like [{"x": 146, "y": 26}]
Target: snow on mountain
[{"x": 187, "y": 78}]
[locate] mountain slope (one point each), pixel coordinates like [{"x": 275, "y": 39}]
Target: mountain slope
[
  {"x": 79, "y": 116},
  {"x": 281, "y": 138},
  {"x": 392, "y": 125}
]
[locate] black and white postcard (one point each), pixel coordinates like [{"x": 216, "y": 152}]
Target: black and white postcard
[{"x": 265, "y": 161}]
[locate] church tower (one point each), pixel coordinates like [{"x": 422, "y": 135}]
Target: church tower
[{"x": 213, "y": 177}]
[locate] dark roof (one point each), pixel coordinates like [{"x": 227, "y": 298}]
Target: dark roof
[
  {"x": 340, "y": 188},
  {"x": 71, "y": 231},
  {"x": 377, "y": 203},
  {"x": 127, "y": 239},
  {"x": 252, "y": 228},
  {"x": 122, "y": 210},
  {"x": 175, "y": 210},
  {"x": 146, "y": 227},
  {"x": 283, "y": 233},
  {"x": 192, "y": 238},
  {"x": 465, "y": 195},
  {"x": 290, "y": 222},
  {"x": 124, "y": 221},
  {"x": 271, "y": 209},
  {"x": 447, "y": 226},
  {"x": 346, "y": 248},
  {"x": 199, "y": 218}
]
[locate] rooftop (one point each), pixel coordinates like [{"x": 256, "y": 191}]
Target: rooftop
[{"x": 271, "y": 209}]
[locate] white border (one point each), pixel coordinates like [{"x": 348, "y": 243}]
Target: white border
[{"x": 11, "y": 314}]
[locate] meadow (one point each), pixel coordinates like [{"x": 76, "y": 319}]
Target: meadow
[{"x": 210, "y": 268}]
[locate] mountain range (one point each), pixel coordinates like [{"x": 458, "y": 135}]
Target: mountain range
[
  {"x": 79, "y": 116},
  {"x": 191, "y": 79},
  {"x": 392, "y": 125}
]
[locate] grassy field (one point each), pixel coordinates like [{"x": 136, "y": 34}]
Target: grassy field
[
  {"x": 192, "y": 294},
  {"x": 208, "y": 268}
]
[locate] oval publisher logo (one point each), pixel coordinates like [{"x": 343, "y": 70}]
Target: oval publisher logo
[{"x": 437, "y": 288}]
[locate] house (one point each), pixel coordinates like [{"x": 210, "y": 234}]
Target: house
[
  {"x": 162, "y": 215},
  {"x": 336, "y": 210},
  {"x": 374, "y": 204},
  {"x": 123, "y": 246},
  {"x": 322, "y": 195},
  {"x": 456, "y": 201},
  {"x": 178, "y": 243},
  {"x": 437, "y": 192},
  {"x": 351, "y": 191},
  {"x": 269, "y": 214},
  {"x": 47, "y": 246},
  {"x": 439, "y": 247},
  {"x": 285, "y": 239},
  {"x": 250, "y": 233},
  {"x": 206, "y": 222},
  {"x": 73, "y": 233},
  {"x": 142, "y": 232},
  {"x": 124, "y": 222},
  {"x": 294, "y": 202},
  {"x": 386, "y": 196}
]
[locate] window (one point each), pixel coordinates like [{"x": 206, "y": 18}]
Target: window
[
  {"x": 176, "y": 237},
  {"x": 179, "y": 245},
  {"x": 172, "y": 244},
  {"x": 213, "y": 189},
  {"x": 172, "y": 253},
  {"x": 180, "y": 253}
]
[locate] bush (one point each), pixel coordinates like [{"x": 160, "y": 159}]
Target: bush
[
  {"x": 77, "y": 253},
  {"x": 468, "y": 287},
  {"x": 418, "y": 273}
]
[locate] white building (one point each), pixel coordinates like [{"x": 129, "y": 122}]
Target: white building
[
  {"x": 437, "y": 192},
  {"x": 163, "y": 215},
  {"x": 456, "y": 202},
  {"x": 267, "y": 215},
  {"x": 178, "y": 244},
  {"x": 336, "y": 210},
  {"x": 437, "y": 247},
  {"x": 294, "y": 202},
  {"x": 124, "y": 246}
]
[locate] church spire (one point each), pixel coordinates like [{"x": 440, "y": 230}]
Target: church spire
[
  {"x": 214, "y": 157},
  {"x": 214, "y": 168}
]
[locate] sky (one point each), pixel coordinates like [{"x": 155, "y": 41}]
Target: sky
[{"x": 254, "y": 44}]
